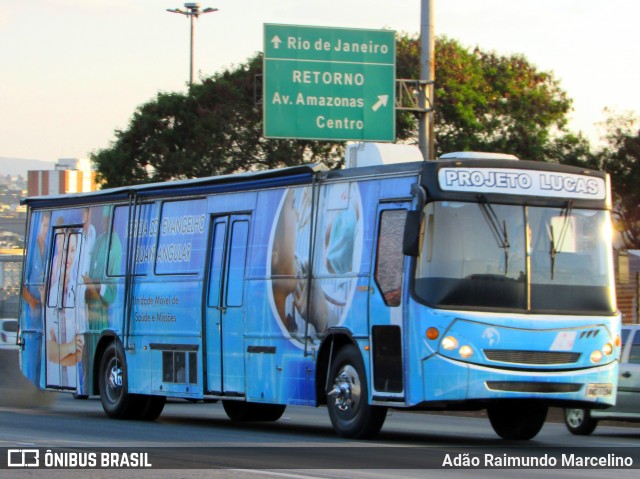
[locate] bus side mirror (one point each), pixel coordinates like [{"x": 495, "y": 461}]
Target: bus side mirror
[{"x": 411, "y": 240}]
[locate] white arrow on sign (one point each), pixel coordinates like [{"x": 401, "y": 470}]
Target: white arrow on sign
[
  {"x": 276, "y": 41},
  {"x": 382, "y": 101}
]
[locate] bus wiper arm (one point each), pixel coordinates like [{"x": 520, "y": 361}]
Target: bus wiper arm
[
  {"x": 565, "y": 213},
  {"x": 499, "y": 231},
  {"x": 552, "y": 251}
]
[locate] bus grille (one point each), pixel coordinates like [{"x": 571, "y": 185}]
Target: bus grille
[
  {"x": 531, "y": 357},
  {"x": 533, "y": 387}
]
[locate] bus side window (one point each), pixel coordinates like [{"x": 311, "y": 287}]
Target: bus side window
[
  {"x": 55, "y": 271},
  {"x": 182, "y": 236},
  {"x": 237, "y": 260},
  {"x": 389, "y": 257},
  {"x": 70, "y": 274}
]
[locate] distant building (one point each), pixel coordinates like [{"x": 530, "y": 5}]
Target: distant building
[{"x": 71, "y": 175}]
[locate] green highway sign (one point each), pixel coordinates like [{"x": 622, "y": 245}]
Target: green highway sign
[{"x": 327, "y": 83}]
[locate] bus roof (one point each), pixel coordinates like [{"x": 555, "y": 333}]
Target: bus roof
[{"x": 224, "y": 183}]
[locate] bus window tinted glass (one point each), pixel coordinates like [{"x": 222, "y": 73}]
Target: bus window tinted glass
[
  {"x": 217, "y": 257},
  {"x": 55, "y": 273},
  {"x": 237, "y": 260},
  {"x": 482, "y": 255},
  {"x": 389, "y": 258},
  {"x": 182, "y": 242},
  {"x": 71, "y": 271}
]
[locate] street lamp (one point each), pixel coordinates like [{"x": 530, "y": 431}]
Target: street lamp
[{"x": 192, "y": 11}]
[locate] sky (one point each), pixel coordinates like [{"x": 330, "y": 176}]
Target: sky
[{"x": 74, "y": 71}]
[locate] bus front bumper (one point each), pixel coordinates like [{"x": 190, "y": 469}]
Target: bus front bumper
[{"x": 447, "y": 380}]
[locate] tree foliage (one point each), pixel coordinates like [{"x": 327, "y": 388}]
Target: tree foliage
[
  {"x": 214, "y": 129},
  {"x": 621, "y": 159},
  {"x": 483, "y": 102},
  {"x": 488, "y": 102}
]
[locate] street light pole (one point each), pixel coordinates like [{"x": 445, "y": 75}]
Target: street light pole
[
  {"x": 426, "y": 140},
  {"x": 193, "y": 12}
]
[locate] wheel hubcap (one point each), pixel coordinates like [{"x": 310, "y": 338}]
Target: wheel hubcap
[
  {"x": 575, "y": 417},
  {"x": 114, "y": 380},
  {"x": 346, "y": 389}
]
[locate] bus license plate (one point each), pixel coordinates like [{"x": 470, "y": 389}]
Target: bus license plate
[{"x": 599, "y": 390}]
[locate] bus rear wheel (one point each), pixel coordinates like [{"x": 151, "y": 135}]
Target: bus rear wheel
[
  {"x": 114, "y": 395},
  {"x": 150, "y": 407},
  {"x": 518, "y": 421},
  {"x": 116, "y": 400},
  {"x": 348, "y": 401},
  {"x": 248, "y": 411}
]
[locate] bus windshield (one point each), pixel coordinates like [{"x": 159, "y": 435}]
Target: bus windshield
[{"x": 515, "y": 257}]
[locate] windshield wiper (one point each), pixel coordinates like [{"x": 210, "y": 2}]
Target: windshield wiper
[
  {"x": 565, "y": 213},
  {"x": 499, "y": 231}
]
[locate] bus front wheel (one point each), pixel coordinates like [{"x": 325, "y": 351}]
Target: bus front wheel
[
  {"x": 347, "y": 400},
  {"x": 518, "y": 421},
  {"x": 579, "y": 421}
]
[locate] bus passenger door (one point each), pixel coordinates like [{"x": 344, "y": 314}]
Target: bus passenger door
[
  {"x": 224, "y": 318},
  {"x": 386, "y": 303},
  {"x": 63, "y": 348}
]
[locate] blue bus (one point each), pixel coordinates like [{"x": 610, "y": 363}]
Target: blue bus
[{"x": 463, "y": 283}]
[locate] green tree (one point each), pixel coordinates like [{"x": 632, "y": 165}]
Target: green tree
[
  {"x": 484, "y": 102},
  {"x": 488, "y": 102},
  {"x": 575, "y": 150},
  {"x": 621, "y": 159},
  {"x": 214, "y": 129}
]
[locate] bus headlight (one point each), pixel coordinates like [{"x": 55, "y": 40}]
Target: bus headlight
[
  {"x": 449, "y": 343},
  {"x": 596, "y": 356},
  {"x": 465, "y": 351},
  {"x": 607, "y": 349}
]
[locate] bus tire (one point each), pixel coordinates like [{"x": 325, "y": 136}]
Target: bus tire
[
  {"x": 579, "y": 421},
  {"x": 347, "y": 400},
  {"x": 151, "y": 407},
  {"x": 242, "y": 411},
  {"x": 114, "y": 395},
  {"x": 519, "y": 421}
]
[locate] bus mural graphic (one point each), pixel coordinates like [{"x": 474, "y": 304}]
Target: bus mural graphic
[{"x": 307, "y": 311}]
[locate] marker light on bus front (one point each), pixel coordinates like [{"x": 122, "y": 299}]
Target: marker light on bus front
[{"x": 432, "y": 333}]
